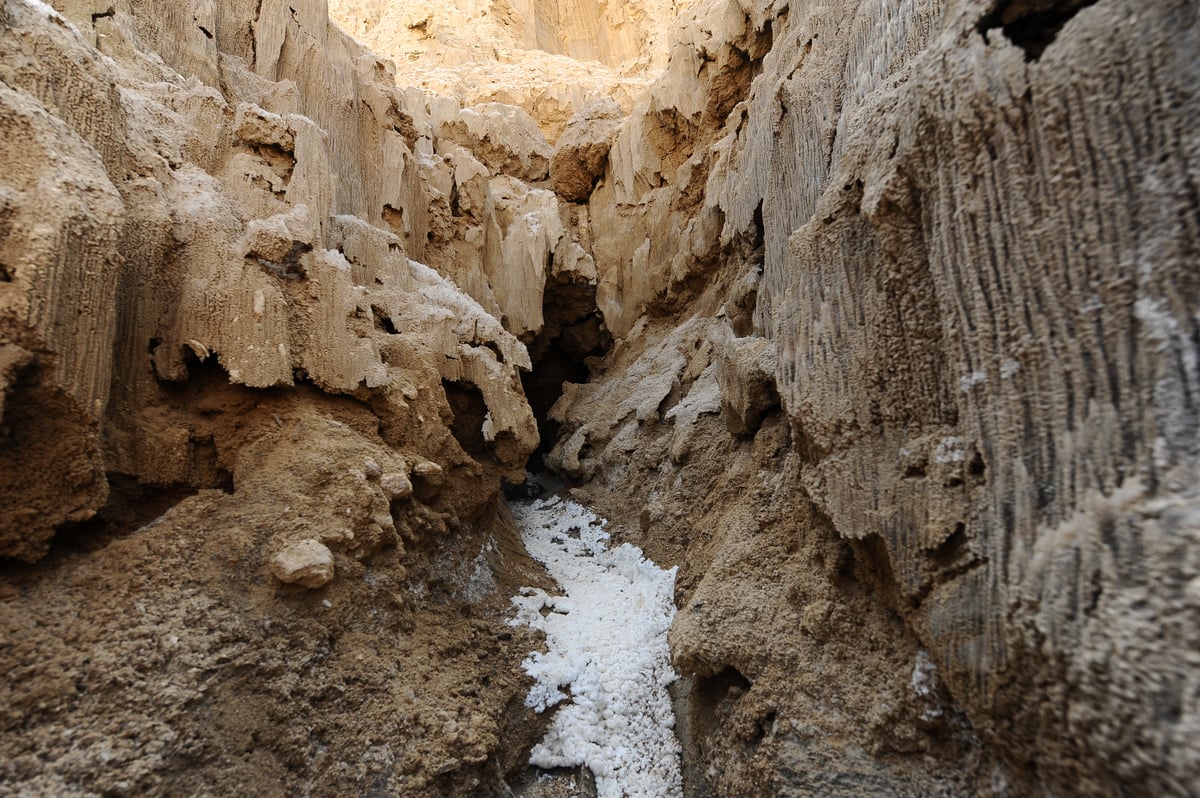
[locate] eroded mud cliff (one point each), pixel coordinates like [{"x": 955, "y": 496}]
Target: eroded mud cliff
[
  {"x": 937, "y": 389},
  {"x": 880, "y": 320},
  {"x": 225, "y": 382}
]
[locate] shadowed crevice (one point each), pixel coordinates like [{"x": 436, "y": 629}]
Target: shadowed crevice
[{"x": 1031, "y": 25}]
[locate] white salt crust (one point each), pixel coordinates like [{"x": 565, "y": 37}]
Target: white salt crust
[{"x": 607, "y": 643}]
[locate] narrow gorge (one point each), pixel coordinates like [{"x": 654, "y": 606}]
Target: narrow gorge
[{"x": 874, "y": 325}]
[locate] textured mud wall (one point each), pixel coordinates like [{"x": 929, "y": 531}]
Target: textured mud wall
[
  {"x": 987, "y": 336},
  {"x": 253, "y": 445},
  {"x": 155, "y": 224},
  {"x": 968, "y": 232}
]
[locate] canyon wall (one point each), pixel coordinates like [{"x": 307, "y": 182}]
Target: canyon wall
[
  {"x": 252, "y": 444},
  {"x": 878, "y": 319},
  {"x": 934, "y": 408}
]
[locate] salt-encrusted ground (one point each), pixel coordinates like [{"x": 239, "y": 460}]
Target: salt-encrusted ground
[{"x": 606, "y": 636}]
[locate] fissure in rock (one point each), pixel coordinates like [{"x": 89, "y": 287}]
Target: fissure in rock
[{"x": 571, "y": 342}]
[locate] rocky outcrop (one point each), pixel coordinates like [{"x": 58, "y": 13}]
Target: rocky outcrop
[
  {"x": 654, "y": 238},
  {"x": 212, "y": 234},
  {"x": 62, "y": 215},
  {"x": 582, "y": 151}
]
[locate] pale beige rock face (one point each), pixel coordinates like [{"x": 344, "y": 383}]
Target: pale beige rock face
[
  {"x": 504, "y": 137},
  {"x": 550, "y": 57},
  {"x": 653, "y": 239},
  {"x": 475, "y": 181}
]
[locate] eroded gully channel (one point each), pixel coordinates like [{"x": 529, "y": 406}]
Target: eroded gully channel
[{"x": 605, "y": 673}]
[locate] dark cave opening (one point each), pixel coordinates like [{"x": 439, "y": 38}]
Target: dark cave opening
[
  {"x": 470, "y": 410},
  {"x": 1032, "y": 25},
  {"x": 573, "y": 338}
]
